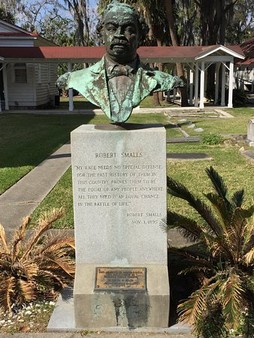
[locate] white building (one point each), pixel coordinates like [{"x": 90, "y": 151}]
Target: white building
[{"x": 24, "y": 84}]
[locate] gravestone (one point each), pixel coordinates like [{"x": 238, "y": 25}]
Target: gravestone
[
  {"x": 250, "y": 132},
  {"x": 119, "y": 189}
]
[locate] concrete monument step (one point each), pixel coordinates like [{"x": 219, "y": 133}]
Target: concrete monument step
[{"x": 63, "y": 321}]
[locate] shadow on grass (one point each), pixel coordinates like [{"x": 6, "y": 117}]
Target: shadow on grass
[
  {"x": 80, "y": 105},
  {"x": 27, "y": 139},
  {"x": 170, "y": 126}
]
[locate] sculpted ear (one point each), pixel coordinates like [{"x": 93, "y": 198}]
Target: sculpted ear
[{"x": 100, "y": 30}]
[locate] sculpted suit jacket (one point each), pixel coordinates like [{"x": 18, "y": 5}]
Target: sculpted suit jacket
[{"x": 92, "y": 84}]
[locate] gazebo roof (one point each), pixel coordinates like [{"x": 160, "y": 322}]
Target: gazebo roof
[{"x": 169, "y": 54}]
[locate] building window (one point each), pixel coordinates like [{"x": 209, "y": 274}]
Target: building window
[{"x": 20, "y": 73}]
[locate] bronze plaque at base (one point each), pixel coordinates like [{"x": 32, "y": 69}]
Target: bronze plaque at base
[{"x": 120, "y": 279}]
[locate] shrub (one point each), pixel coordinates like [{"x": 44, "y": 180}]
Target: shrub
[
  {"x": 222, "y": 257},
  {"x": 212, "y": 139},
  {"x": 37, "y": 266}
]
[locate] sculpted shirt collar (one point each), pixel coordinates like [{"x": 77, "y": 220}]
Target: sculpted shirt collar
[{"x": 114, "y": 69}]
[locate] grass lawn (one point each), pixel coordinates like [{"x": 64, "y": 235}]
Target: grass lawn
[
  {"x": 223, "y": 126},
  {"x": 237, "y": 171},
  {"x": 26, "y": 140}
]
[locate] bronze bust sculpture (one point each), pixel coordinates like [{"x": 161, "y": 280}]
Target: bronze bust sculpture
[{"x": 119, "y": 82}]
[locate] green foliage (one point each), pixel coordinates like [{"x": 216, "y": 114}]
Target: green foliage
[
  {"x": 223, "y": 258},
  {"x": 59, "y": 30},
  {"x": 35, "y": 267},
  {"x": 239, "y": 98},
  {"x": 246, "y": 321},
  {"x": 196, "y": 22},
  {"x": 212, "y": 139},
  {"x": 212, "y": 323},
  {"x": 241, "y": 27},
  {"x": 6, "y": 16}
]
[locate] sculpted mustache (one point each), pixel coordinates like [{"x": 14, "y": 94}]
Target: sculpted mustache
[{"x": 119, "y": 42}]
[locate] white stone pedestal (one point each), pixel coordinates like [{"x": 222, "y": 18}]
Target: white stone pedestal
[{"x": 119, "y": 189}]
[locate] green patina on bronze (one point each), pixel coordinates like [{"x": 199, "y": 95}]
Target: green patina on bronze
[{"x": 119, "y": 81}]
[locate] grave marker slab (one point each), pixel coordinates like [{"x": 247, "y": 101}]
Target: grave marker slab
[{"x": 250, "y": 130}]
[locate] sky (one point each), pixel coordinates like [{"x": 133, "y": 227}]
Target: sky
[
  {"x": 45, "y": 9},
  {"x": 93, "y": 3}
]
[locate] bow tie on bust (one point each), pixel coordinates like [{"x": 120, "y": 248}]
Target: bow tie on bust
[{"x": 118, "y": 70}]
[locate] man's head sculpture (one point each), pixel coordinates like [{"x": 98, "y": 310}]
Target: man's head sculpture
[
  {"x": 122, "y": 30},
  {"x": 119, "y": 81}
]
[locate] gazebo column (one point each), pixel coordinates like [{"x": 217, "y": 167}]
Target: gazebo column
[
  {"x": 70, "y": 91},
  {"x": 223, "y": 84},
  {"x": 217, "y": 82},
  {"x": 230, "y": 84},
  {"x": 202, "y": 85},
  {"x": 5, "y": 82},
  {"x": 196, "y": 84},
  {"x": 191, "y": 87}
]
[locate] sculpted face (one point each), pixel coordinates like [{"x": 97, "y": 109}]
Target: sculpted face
[{"x": 121, "y": 35}]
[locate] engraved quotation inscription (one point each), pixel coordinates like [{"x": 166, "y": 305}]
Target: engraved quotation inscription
[
  {"x": 118, "y": 185},
  {"x": 110, "y": 182}
]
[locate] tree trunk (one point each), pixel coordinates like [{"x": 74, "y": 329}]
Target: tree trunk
[
  {"x": 156, "y": 99},
  {"x": 213, "y": 21},
  {"x": 173, "y": 34}
]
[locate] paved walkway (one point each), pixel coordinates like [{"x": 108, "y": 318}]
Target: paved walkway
[
  {"x": 23, "y": 197},
  {"x": 172, "y": 111}
]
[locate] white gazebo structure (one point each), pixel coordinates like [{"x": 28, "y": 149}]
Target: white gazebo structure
[
  {"x": 223, "y": 57},
  {"x": 197, "y": 60}
]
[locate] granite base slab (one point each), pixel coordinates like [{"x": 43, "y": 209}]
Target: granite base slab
[{"x": 62, "y": 320}]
